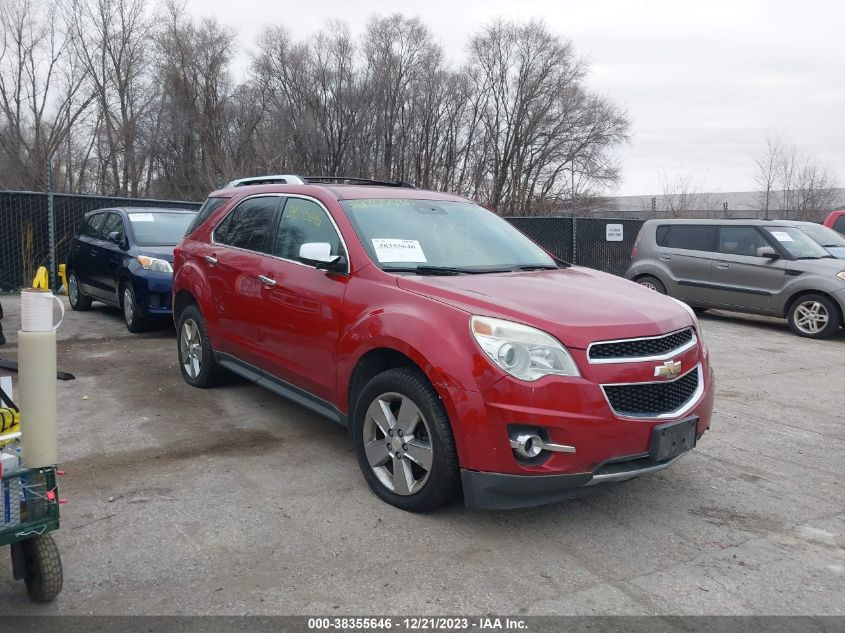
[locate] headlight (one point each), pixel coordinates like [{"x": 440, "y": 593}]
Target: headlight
[
  {"x": 154, "y": 264},
  {"x": 524, "y": 352},
  {"x": 841, "y": 275}
]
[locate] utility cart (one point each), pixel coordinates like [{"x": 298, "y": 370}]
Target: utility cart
[{"x": 29, "y": 499}]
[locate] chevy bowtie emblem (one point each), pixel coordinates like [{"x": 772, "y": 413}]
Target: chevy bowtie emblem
[{"x": 669, "y": 369}]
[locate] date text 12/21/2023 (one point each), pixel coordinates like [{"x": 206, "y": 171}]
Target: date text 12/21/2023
[{"x": 424, "y": 623}]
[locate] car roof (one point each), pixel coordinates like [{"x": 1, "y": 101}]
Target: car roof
[
  {"x": 141, "y": 210},
  {"x": 341, "y": 192},
  {"x": 726, "y": 221}
]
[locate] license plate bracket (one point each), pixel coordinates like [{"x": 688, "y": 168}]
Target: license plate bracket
[{"x": 673, "y": 438}]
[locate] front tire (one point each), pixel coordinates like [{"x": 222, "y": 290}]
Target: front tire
[
  {"x": 78, "y": 301},
  {"x": 134, "y": 318},
  {"x": 196, "y": 358},
  {"x": 404, "y": 442},
  {"x": 43, "y": 568},
  {"x": 814, "y": 316}
]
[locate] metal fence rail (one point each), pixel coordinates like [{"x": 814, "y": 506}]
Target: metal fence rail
[{"x": 25, "y": 238}]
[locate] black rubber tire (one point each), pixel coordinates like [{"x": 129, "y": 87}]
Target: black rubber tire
[
  {"x": 138, "y": 323},
  {"x": 82, "y": 303},
  {"x": 211, "y": 374},
  {"x": 43, "y": 568},
  {"x": 443, "y": 484},
  {"x": 833, "y": 322},
  {"x": 654, "y": 281}
]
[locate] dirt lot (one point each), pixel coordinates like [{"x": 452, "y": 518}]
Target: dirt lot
[{"x": 232, "y": 501}]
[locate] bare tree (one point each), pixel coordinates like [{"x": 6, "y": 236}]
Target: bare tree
[
  {"x": 538, "y": 117},
  {"x": 681, "y": 193},
  {"x": 41, "y": 92},
  {"x": 768, "y": 171},
  {"x": 112, "y": 39}
]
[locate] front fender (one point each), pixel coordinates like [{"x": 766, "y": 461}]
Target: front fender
[{"x": 190, "y": 278}]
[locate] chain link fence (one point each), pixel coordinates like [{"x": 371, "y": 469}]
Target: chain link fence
[
  {"x": 604, "y": 243},
  {"x": 600, "y": 243},
  {"x": 25, "y": 240}
]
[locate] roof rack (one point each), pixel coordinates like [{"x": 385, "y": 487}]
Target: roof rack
[
  {"x": 281, "y": 179},
  {"x": 346, "y": 180}
]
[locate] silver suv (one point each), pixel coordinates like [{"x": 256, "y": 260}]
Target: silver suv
[{"x": 755, "y": 266}]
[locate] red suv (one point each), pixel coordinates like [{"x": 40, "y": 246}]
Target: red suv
[
  {"x": 836, "y": 221},
  {"x": 460, "y": 355}
]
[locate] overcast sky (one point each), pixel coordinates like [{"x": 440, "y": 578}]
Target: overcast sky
[{"x": 703, "y": 82}]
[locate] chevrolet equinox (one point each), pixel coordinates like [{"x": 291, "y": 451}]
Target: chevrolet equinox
[{"x": 460, "y": 355}]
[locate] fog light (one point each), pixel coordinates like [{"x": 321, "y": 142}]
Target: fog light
[{"x": 527, "y": 445}]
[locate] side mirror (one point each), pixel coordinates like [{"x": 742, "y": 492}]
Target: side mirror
[
  {"x": 767, "y": 251},
  {"x": 116, "y": 237},
  {"x": 319, "y": 254}
]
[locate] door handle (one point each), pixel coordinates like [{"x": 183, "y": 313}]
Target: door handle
[
  {"x": 211, "y": 259},
  {"x": 723, "y": 266},
  {"x": 267, "y": 281},
  {"x": 665, "y": 258}
]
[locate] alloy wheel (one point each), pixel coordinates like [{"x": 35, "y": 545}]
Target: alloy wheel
[
  {"x": 190, "y": 348},
  {"x": 811, "y": 317},
  {"x": 397, "y": 443},
  {"x": 128, "y": 306},
  {"x": 73, "y": 289},
  {"x": 649, "y": 285}
]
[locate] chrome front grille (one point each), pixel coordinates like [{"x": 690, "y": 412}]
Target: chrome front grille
[
  {"x": 642, "y": 349},
  {"x": 656, "y": 400}
]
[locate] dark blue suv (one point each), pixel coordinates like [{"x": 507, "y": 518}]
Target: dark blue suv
[{"x": 124, "y": 258}]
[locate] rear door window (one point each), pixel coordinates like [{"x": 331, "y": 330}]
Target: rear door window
[
  {"x": 249, "y": 225},
  {"x": 689, "y": 237}
]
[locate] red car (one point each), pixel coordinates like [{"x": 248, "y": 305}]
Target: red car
[
  {"x": 836, "y": 221},
  {"x": 461, "y": 356}
]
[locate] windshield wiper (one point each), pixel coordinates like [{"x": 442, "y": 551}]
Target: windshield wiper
[
  {"x": 533, "y": 267},
  {"x": 434, "y": 270}
]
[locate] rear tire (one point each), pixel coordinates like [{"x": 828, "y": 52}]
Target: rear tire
[
  {"x": 43, "y": 568},
  {"x": 404, "y": 442},
  {"x": 814, "y": 316},
  {"x": 196, "y": 358},
  {"x": 652, "y": 283},
  {"x": 78, "y": 301}
]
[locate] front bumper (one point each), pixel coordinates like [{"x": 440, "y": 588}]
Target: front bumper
[
  {"x": 497, "y": 491},
  {"x": 154, "y": 293}
]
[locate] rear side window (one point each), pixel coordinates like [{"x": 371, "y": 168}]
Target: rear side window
[
  {"x": 839, "y": 225},
  {"x": 248, "y": 225},
  {"x": 689, "y": 237},
  {"x": 92, "y": 225},
  {"x": 304, "y": 221},
  {"x": 208, "y": 207}
]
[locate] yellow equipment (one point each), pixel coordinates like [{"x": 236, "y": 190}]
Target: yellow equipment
[{"x": 42, "y": 279}]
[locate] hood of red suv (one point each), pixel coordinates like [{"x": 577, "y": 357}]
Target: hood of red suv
[{"x": 576, "y": 305}]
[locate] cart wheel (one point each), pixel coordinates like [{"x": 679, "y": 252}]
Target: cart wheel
[{"x": 43, "y": 568}]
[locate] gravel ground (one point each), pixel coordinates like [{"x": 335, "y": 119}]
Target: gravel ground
[{"x": 233, "y": 501}]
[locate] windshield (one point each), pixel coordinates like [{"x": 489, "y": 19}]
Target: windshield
[
  {"x": 159, "y": 228},
  {"x": 799, "y": 245},
  {"x": 823, "y": 235},
  {"x": 429, "y": 235}
]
